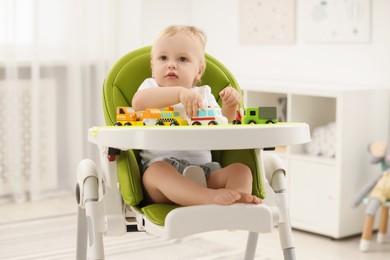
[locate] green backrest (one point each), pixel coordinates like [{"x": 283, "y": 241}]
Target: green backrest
[{"x": 119, "y": 88}]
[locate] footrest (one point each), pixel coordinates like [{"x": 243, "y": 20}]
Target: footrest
[{"x": 185, "y": 221}]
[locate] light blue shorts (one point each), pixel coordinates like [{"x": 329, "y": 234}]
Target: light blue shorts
[{"x": 181, "y": 164}]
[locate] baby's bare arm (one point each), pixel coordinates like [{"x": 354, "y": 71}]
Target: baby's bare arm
[
  {"x": 167, "y": 96},
  {"x": 156, "y": 98}
]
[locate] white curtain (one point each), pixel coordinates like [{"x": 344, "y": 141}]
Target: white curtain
[{"x": 54, "y": 56}]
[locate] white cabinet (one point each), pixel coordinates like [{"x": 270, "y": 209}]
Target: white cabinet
[{"x": 321, "y": 189}]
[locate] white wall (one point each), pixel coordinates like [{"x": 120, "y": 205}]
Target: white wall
[
  {"x": 355, "y": 64},
  {"x": 351, "y": 63}
]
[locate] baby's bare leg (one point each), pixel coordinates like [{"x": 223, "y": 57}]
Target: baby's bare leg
[
  {"x": 236, "y": 177},
  {"x": 164, "y": 184}
]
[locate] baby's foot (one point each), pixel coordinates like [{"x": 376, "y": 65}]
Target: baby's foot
[
  {"x": 225, "y": 196},
  {"x": 248, "y": 198}
]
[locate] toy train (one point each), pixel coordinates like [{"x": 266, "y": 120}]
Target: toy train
[
  {"x": 127, "y": 116},
  {"x": 168, "y": 116}
]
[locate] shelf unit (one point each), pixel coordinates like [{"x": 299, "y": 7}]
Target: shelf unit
[{"x": 321, "y": 190}]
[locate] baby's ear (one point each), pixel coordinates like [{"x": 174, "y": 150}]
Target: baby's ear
[{"x": 201, "y": 70}]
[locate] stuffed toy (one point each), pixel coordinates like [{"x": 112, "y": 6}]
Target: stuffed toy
[{"x": 378, "y": 191}]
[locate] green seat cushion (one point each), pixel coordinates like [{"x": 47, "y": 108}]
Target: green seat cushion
[
  {"x": 157, "y": 213},
  {"x": 129, "y": 177},
  {"x": 247, "y": 157}
]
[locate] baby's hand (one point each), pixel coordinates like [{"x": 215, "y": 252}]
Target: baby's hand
[
  {"x": 191, "y": 101},
  {"x": 230, "y": 97}
]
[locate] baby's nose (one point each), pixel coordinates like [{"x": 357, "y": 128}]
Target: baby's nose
[{"x": 172, "y": 65}]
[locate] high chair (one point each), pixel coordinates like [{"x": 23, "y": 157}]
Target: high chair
[{"x": 109, "y": 199}]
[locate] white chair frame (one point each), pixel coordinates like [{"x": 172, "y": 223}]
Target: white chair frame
[{"x": 102, "y": 212}]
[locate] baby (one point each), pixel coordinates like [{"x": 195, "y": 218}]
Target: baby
[{"x": 178, "y": 63}]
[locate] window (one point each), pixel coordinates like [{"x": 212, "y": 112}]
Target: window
[{"x": 202, "y": 113}]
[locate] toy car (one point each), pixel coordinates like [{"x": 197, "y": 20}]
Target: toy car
[
  {"x": 166, "y": 116},
  {"x": 209, "y": 116},
  {"x": 127, "y": 116},
  {"x": 257, "y": 115}
]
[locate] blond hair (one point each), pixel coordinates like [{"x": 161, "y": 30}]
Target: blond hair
[{"x": 191, "y": 30}]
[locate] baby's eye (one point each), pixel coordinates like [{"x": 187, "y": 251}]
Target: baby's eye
[
  {"x": 163, "y": 58},
  {"x": 183, "y": 59}
]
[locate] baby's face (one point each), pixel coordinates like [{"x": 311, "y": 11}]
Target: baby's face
[{"x": 177, "y": 60}]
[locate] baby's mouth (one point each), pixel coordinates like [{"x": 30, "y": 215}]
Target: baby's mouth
[{"x": 171, "y": 75}]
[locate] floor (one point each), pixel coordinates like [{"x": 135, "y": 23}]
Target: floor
[{"x": 47, "y": 230}]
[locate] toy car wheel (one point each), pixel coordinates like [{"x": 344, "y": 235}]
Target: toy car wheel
[
  {"x": 213, "y": 123},
  {"x": 236, "y": 122},
  {"x": 174, "y": 124},
  {"x": 159, "y": 123},
  {"x": 118, "y": 124},
  {"x": 270, "y": 122},
  {"x": 251, "y": 122},
  {"x": 196, "y": 123},
  {"x": 127, "y": 124}
]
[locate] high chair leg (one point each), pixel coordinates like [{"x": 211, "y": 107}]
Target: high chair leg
[
  {"x": 278, "y": 184},
  {"x": 91, "y": 224},
  {"x": 383, "y": 220},
  {"x": 251, "y": 245},
  {"x": 286, "y": 240},
  {"x": 82, "y": 232},
  {"x": 284, "y": 227},
  {"x": 95, "y": 219}
]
